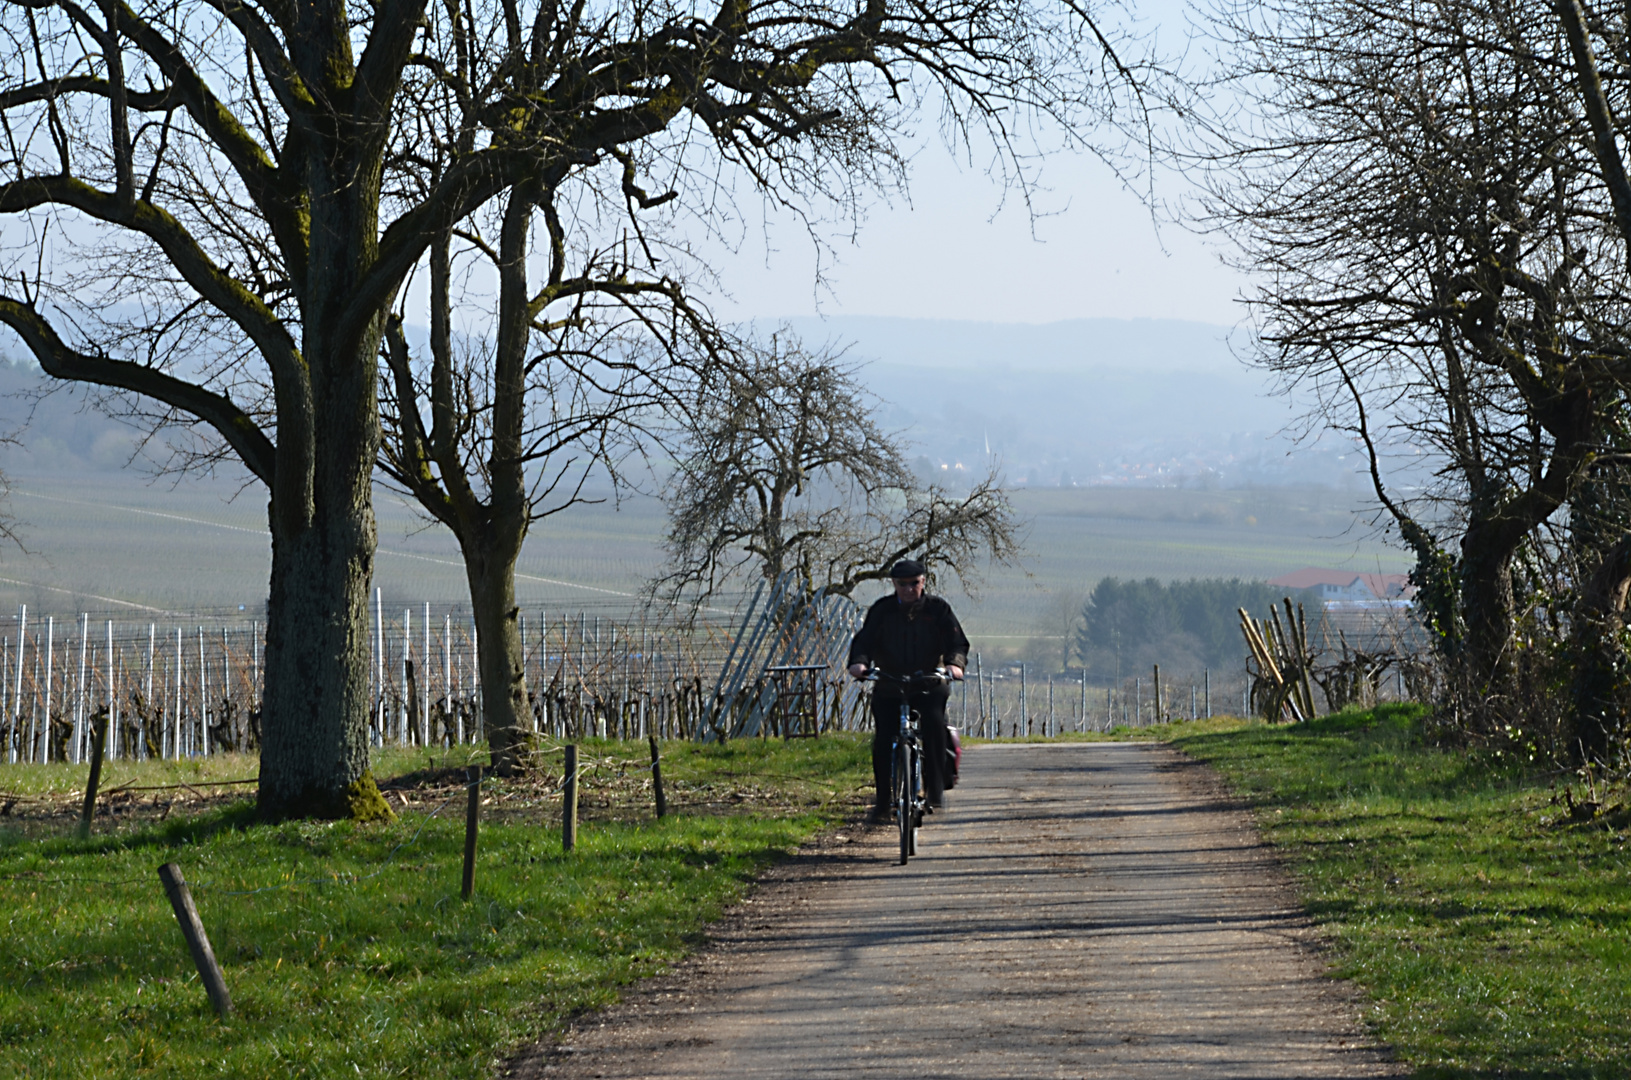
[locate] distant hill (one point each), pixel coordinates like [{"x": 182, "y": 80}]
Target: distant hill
[
  {"x": 54, "y": 426},
  {"x": 1140, "y": 402},
  {"x": 1071, "y": 347},
  {"x": 1147, "y": 402}
]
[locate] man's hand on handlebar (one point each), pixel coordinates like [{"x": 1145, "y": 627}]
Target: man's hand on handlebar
[{"x": 952, "y": 672}]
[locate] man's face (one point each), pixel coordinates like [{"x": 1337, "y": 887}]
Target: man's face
[{"x": 908, "y": 590}]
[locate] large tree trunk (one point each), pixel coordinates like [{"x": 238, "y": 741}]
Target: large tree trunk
[
  {"x": 503, "y": 677},
  {"x": 314, "y": 758},
  {"x": 1498, "y": 526},
  {"x": 314, "y": 750},
  {"x": 1489, "y": 666},
  {"x": 492, "y": 546},
  {"x": 1600, "y": 686}
]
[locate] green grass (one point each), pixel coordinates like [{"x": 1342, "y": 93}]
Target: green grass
[
  {"x": 347, "y": 949},
  {"x": 61, "y": 780},
  {"x": 1489, "y": 931}
]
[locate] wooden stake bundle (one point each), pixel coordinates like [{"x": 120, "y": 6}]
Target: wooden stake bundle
[{"x": 1281, "y": 683}]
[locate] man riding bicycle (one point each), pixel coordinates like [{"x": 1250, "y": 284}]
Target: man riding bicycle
[{"x": 906, "y": 633}]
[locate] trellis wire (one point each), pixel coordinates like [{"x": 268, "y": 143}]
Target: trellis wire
[{"x": 627, "y": 677}]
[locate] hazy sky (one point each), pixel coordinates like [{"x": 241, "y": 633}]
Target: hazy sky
[
  {"x": 957, "y": 252},
  {"x": 960, "y": 247}
]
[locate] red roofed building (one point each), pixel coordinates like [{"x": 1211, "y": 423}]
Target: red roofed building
[{"x": 1345, "y": 586}]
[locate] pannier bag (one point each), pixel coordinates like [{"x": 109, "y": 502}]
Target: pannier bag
[{"x": 954, "y": 755}]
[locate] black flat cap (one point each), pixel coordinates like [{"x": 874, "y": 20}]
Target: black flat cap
[{"x": 908, "y": 568}]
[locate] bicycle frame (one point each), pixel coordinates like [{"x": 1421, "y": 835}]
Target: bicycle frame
[
  {"x": 908, "y": 798},
  {"x": 907, "y": 784}
]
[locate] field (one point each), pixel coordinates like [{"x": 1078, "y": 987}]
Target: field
[
  {"x": 347, "y": 948},
  {"x": 114, "y": 544}
]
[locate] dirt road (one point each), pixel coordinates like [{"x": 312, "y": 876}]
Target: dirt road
[{"x": 1079, "y": 911}]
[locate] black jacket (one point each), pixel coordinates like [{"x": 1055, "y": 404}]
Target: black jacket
[{"x": 902, "y": 639}]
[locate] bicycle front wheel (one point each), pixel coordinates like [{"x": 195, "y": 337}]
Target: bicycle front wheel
[
  {"x": 903, "y": 798},
  {"x": 917, "y": 799}
]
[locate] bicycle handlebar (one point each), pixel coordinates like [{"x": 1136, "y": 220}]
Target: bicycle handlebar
[{"x": 918, "y": 679}]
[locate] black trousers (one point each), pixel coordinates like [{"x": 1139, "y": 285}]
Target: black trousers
[{"x": 931, "y": 726}]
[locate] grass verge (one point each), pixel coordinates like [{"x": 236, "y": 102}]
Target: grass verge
[
  {"x": 346, "y": 948},
  {"x": 1488, "y": 927}
]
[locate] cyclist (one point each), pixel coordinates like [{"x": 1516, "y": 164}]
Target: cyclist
[{"x": 906, "y": 633}]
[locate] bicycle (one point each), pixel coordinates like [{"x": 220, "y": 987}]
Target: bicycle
[{"x": 907, "y": 797}]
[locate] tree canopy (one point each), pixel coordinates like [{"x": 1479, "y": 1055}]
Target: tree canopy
[
  {"x": 1441, "y": 274},
  {"x": 1134, "y": 623},
  {"x": 785, "y": 467}
]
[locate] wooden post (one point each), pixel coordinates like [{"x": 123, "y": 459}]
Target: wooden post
[
  {"x": 12, "y": 753},
  {"x": 569, "y": 800},
  {"x": 181, "y": 901},
  {"x": 152, "y": 707},
  {"x": 77, "y": 751},
  {"x": 99, "y": 745},
  {"x": 44, "y": 754},
  {"x": 1024, "y": 700},
  {"x": 113, "y": 694},
  {"x": 657, "y": 780},
  {"x": 1158, "y": 716},
  {"x": 175, "y": 747},
  {"x": 1307, "y": 661},
  {"x": 472, "y": 813},
  {"x": 203, "y": 695}
]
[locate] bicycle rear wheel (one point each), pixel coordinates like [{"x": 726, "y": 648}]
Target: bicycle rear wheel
[{"x": 903, "y": 798}]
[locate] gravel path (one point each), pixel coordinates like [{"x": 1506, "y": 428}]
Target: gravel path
[{"x": 1080, "y": 910}]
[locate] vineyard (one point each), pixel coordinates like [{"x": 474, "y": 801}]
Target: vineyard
[
  {"x": 174, "y": 690},
  {"x": 177, "y": 690}
]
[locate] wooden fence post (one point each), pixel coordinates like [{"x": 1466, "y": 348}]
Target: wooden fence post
[
  {"x": 471, "y": 814},
  {"x": 657, "y": 780},
  {"x": 99, "y": 745},
  {"x": 569, "y": 800},
  {"x": 181, "y": 901}
]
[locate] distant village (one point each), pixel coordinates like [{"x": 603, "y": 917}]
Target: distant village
[{"x": 1338, "y": 589}]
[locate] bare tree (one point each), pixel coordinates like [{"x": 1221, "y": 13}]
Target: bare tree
[
  {"x": 1431, "y": 234},
  {"x": 258, "y": 178},
  {"x": 787, "y": 468},
  {"x": 580, "y": 369},
  {"x": 1601, "y": 519}
]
